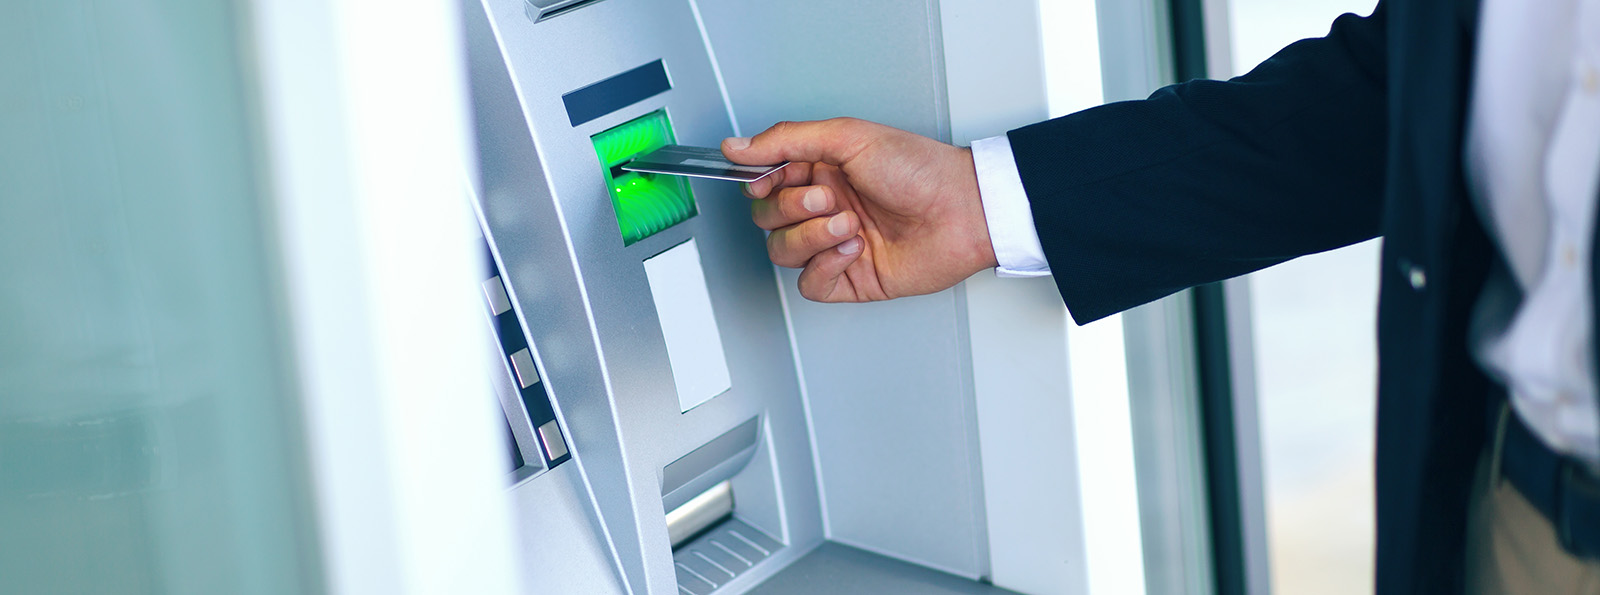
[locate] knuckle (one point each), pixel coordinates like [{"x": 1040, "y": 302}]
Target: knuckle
[
  {"x": 779, "y": 253},
  {"x": 764, "y": 221},
  {"x": 816, "y": 232},
  {"x": 791, "y": 204},
  {"x": 778, "y": 258},
  {"x": 773, "y": 246},
  {"x": 852, "y": 126},
  {"x": 810, "y": 287},
  {"x": 784, "y": 127}
]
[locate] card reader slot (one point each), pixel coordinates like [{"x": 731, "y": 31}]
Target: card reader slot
[{"x": 644, "y": 203}]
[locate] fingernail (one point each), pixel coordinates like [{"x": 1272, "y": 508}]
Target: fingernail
[
  {"x": 850, "y": 246},
  {"x": 815, "y": 200},
  {"x": 838, "y": 224},
  {"x": 737, "y": 143}
]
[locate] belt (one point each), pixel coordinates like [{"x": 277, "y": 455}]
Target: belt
[{"x": 1562, "y": 489}]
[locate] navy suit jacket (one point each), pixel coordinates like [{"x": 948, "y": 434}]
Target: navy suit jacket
[{"x": 1330, "y": 142}]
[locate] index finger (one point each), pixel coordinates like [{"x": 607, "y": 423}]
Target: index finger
[
  {"x": 794, "y": 174},
  {"x": 832, "y": 141}
]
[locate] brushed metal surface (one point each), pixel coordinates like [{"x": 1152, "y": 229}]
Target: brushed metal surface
[
  {"x": 583, "y": 296},
  {"x": 889, "y": 384}
]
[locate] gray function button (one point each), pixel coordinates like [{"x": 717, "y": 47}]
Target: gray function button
[
  {"x": 522, "y": 364},
  {"x": 499, "y": 300},
  {"x": 550, "y": 435}
]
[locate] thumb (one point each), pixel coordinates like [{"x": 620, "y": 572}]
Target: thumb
[{"x": 832, "y": 141}]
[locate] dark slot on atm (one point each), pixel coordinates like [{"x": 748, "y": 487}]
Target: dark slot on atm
[
  {"x": 539, "y": 10},
  {"x": 609, "y": 95}
]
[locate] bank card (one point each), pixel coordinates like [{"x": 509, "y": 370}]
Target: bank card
[{"x": 697, "y": 162}]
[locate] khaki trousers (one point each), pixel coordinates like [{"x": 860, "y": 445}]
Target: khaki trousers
[{"x": 1513, "y": 550}]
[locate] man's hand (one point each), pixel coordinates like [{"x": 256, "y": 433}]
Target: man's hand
[{"x": 871, "y": 212}]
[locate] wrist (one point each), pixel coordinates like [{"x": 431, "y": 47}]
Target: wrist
[{"x": 980, "y": 246}]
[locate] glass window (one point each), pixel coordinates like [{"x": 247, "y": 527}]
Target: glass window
[
  {"x": 1315, "y": 344},
  {"x": 149, "y": 438}
]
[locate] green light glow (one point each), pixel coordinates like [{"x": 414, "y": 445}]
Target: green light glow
[{"x": 644, "y": 203}]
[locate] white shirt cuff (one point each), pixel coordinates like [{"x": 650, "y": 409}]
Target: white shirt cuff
[{"x": 1005, "y": 206}]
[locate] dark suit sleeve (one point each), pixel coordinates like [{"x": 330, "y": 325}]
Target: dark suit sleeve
[{"x": 1208, "y": 180}]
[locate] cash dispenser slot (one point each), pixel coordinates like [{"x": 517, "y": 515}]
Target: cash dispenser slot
[
  {"x": 700, "y": 513},
  {"x": 712, "y": 463},
  {"x": 710, "y": 545},
  {"x": 696, "y": 490}
]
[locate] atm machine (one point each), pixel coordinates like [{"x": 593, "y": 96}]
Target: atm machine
[{"x": 679, "y": 421}]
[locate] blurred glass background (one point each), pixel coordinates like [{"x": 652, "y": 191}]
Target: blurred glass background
[
  {"x": 1315, "y": 341},
  {"x": 148, "y": 441}
]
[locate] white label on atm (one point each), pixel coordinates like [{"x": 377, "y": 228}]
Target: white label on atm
[{"x": 694, "y": 347}]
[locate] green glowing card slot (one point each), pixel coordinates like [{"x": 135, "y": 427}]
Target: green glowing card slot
[{"x": 644, "y": 203}]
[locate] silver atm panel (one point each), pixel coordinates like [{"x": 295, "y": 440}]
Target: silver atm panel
[
  {"x": 649, "y": 429},
  {"x": 584, "y": 296}
]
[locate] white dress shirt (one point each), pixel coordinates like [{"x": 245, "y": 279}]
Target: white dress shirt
[
  {"x": 1533, "y": 158},
  {"x": 1533, "y": 162},
  {"x": 1016, "y": 245}
]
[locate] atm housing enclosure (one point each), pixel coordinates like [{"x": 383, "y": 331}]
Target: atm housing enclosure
[{"x": 899, "y": 476}]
